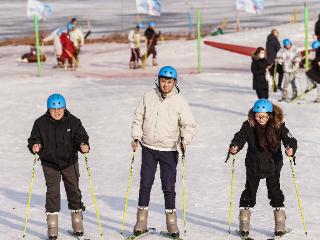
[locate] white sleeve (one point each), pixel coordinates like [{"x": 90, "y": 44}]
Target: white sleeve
[
  {"x": 187, "y": 123},
  {"x": 138, "y": 117}
]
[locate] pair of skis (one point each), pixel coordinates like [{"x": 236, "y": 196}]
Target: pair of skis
[
  {"x": 299, "y": 97},
  {"x": 247, "y": 237},
  {"x": 152, "y": 231}
]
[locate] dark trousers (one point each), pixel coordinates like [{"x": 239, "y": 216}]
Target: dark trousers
[
  {"x": 70, "y": 177},
  {"x": 248, "y": 196},
  {"x": 279, "y": 71},
  {"x": 168, "y": 161},
  {"x": 135, "y": 55},
  {"x": 262, "y": 93},
  {"x": 151, "y": 50}
]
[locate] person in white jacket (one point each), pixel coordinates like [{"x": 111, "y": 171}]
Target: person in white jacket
[
  {"x": 162, "y": 121},
  {"x": 134, "y": 38},
  {"x": 77, "y": 37},
  {"x": 289, "y": 56},
  {"x": 55, "y": 37}
]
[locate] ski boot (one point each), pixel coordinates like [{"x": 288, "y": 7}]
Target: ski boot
[
  {"x": 244, "y": 221},
  {"x": 77, "y": 225},
  {"x": 52, "y": 222},
  {"x": 279, "y": 219},
  {"x": 141, "y": 224},
  {"x": 131, "y": 65},
  {"x": 171, "y": 220},
  {"x": 284, "y": 95}
]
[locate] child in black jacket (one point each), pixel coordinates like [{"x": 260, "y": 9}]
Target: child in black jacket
[
  {"x": 57, "y": 136},
  {"x": 263, "y": 131}
]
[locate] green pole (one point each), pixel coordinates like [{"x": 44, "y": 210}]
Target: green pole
[
  {"x": 306, "y": 32},
  {"x": 36, "y": 30},
  {"x": 199, "y": 40}
]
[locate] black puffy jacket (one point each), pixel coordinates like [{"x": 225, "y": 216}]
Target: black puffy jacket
[
  {"x": 60, "y": 140},
  {"x": 258, "y": 69},
  {"x": 272, "y": 47},
  {"x": 258, "y": 162}
]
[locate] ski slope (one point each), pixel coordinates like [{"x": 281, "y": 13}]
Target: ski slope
[{"x": 103, "y": 93}]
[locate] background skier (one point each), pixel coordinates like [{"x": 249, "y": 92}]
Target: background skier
[{"x": 259, "y": 67}]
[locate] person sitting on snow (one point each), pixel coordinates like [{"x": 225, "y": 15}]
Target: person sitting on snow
[{"x": 31, "y": 56}]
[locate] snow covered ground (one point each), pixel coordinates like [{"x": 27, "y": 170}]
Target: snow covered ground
[{"x": 103, "y": 93}]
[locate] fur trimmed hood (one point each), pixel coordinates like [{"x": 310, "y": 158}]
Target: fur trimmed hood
[{"x": 277, "y": 115}]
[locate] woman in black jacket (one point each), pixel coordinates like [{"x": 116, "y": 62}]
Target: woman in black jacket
[
  {"x": 259, "y": 67},
  {"x": 263, "y": 131}
]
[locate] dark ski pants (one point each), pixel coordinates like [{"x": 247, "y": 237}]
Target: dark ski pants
[
  {"x": 280, "y": 73},
  {"x": 262, "y": 93},
  {"x": 168, "y": 161},
  {"x": 70, "y": 177},
  {"x": 135, "y": 55},
  {"x": 152, "y": 50},
  {"x": 248, "y": 197}
]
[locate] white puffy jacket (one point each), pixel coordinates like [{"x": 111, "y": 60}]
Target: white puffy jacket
[
  {"x": 160, "y": 123},
  {"x": 290, "y": 59}
]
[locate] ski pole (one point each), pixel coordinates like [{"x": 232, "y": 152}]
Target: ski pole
[
  {"x": 93, "y": 195},
  {"x": 274, "y": 78},
  {"x": 36, "y": 158},
  {"x": 183, "y": 191},
  {"x": 127, "y": 193},
  {"x": 292, "y": 161},
  {"x": 231, "y": 193}
]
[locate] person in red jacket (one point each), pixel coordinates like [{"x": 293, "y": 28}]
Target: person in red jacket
[{"x": 68, "y": 49}]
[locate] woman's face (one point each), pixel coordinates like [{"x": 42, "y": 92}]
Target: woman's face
[{"x": 262, "y": 118}]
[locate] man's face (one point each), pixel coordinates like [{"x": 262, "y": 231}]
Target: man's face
[
  {"x": 57, "y": 114},
  {"x": 166, "y": 85},
  {"x": 75, "y": 23},
  {"x": 276, "y": 33}
]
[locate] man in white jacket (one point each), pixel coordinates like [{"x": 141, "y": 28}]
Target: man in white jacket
[
  {"x": 161, "y": 122},
  {"x": 289, "y": 56},
  {"x": 76, "y": 36},
  {"x": 134, "y": 38}
]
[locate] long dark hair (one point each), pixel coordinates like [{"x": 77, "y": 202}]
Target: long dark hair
[{"x": 267, "y": 135}]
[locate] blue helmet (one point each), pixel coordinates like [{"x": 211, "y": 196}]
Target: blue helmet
[
  {"x": 56, "y": 101},
  {"x": 315, "y": 44},
  {"x": 287, "y": 42},
  {"x": 169, "y": 72},
  {"x": 262, "y": 105},
  {"x": 140, "y": 26},
  {"x": 69, "y": 26},
  {"x": 152, "y": 24}
]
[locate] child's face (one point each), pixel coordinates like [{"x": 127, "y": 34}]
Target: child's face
[
  {"x": 57, "y": 114},
  {"x": 166, "y": 85},
  {"x": 262, "y": 118}
]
